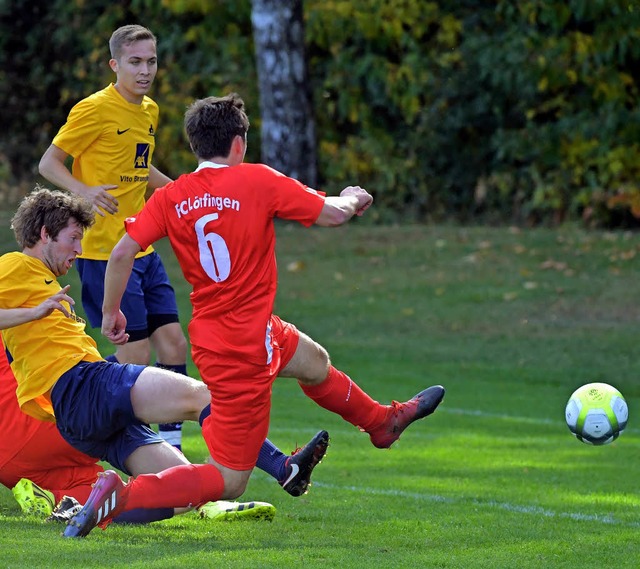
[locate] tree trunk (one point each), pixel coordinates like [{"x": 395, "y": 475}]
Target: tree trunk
[{"x": 288, "y": 128}]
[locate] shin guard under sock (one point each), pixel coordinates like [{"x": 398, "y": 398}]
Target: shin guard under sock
[
  {"x": 340, "y": 394},
  {"x": 177, "y": 487}
]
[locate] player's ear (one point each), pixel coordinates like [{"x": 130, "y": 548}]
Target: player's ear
[
  {"x": 44, "y": 234},
  {"x": 239, "y": 146},
  {"x": 113, "y": 63}
]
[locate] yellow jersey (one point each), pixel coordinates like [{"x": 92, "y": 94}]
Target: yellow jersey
[
  {"x": 42, "y": 350},
  {"x": 112, "y": 142}
]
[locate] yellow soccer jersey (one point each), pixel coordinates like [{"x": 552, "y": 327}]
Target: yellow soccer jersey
[
  {"x": 42, "y": 350},
  {"x": 112, "y": 142}
]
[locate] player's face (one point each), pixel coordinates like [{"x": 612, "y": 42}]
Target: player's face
[
  {"x": 60, "y": 253},
  {"x": 135, "y": 70}
]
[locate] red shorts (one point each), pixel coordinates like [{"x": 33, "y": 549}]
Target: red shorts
[
  {"x": 49, "y": 461},
  {"x": 241, "y": 398}
]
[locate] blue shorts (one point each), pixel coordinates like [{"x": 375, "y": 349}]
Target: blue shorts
[
  {"x": 149, "y": 300},
  {"x": 92, "y": 405}
]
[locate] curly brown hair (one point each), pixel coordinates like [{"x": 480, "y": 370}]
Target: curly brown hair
[{"x": 51, "y": 209}]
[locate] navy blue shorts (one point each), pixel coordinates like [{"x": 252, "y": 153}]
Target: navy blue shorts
[
  {"x": 149, "y": 300},
  {"x": 92, "y": 405}
]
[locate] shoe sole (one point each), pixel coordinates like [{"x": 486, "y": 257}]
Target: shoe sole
[{"x": 65, "y": 510}]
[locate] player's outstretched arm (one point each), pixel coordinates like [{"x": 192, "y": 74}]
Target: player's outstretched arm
[
  {"x": 10, "y": 317},
  {"x": 115, "y": 282},
  {"x": 52, "y": 167},
  {"x": 353, "y": 200}
]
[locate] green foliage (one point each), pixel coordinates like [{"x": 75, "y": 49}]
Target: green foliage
[
  {"x": 578, "y": 146},
  {"x": 527, "y": 109},
  {"x": 521, "y": 111},
  {"x": 52, "y": 54},
  {"x": 370, "y": 74},
  {"x": 47, "y": 60},
  {"x": 205, "y": 48}
]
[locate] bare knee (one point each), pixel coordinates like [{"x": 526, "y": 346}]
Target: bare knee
[
  {"x": 154, "y": 458},
  {"x": 161, "y": 396},
  {"x": 310, "y": 363},
  {"x": 170, "y": 344},
  {"x": 235, "y": 481},
  {"x": 138, "y": 352},
  {"x": 318, "y": 369},
  {"x": 233, "y": 490}
]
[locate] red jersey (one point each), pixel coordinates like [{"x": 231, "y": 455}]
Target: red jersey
[
  {"x": 16, "y": 427},
  {"x": 219, "y": 221}
]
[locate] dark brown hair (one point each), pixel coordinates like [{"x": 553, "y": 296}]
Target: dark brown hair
[
  {"x": 212, "y": 123},
  {"x": 51, "y": 209}
]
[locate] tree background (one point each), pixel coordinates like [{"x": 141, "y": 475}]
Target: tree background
[
  {"x": 286, "y": 109},
  {"x": 491, "y": 111}
]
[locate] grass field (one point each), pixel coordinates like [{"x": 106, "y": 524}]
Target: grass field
[{"x": 510, "y": 322}]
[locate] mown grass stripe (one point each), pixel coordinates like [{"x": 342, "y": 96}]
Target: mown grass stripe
[{"x": 515, "y": 508}]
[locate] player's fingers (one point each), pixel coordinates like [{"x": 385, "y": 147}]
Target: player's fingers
[
  {"x": 112, "y": 337},
  {"x": 365, "y": 207},
  {"x": 120, "y": 338},
  {"x": 108, "y": 202},
  {"x": 64, "y": 311},
  {"x": 61, "y": 296},
  {"x": 110, "y": 199},
  {"x": 108, "y": 208},
  {"x": 68, "y": 299}
]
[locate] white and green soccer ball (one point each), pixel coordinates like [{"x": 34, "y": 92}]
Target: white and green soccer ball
[{"x": 596, "y": 413}]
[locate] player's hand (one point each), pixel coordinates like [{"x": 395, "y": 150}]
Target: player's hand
[
  {"x": 113, "y": 328},
  {"x": 101, "y": 200},
  {"x": 54, "y": 303},
  {"x": 365, "y": 199}
]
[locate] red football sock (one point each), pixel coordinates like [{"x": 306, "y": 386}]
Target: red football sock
[
  {"x": 340, "y": 394},
  {"x": 176, "y": 487}
]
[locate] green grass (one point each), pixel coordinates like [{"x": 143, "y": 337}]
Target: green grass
[{"x": 511, "y": 322}]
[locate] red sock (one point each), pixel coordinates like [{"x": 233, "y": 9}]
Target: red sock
[
  {"x": 176, "y": 487},
  {"x": 340, "y": 394}
]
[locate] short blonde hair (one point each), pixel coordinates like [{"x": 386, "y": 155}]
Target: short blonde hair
[{"x": 126, "y": 35}]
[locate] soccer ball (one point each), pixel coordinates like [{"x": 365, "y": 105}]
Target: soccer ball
[{"x": 596, "y": 413}]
